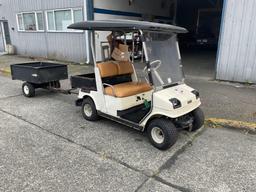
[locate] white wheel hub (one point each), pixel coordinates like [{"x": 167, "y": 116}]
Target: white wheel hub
[
  {"x": 157, "y": 135},
  {"x": 26, "y": 89},
  {"x": 87, "y": 110}
]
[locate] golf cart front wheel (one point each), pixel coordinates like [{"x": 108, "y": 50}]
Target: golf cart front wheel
[
  {"x": 162, "y": 133},
  {"x": 28, "y": 89},
  {"x": 198, "y": 116},
  {"x": 89, "y": 110}
]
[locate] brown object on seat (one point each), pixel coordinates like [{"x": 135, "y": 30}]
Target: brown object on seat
[
  {"x": 123, "y": 48},
  {"x": 124, "y": 67},
  {"x": 107, "y": 69},
  {"x": 127, "y": 89}
]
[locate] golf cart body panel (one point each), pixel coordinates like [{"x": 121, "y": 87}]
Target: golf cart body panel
[{"x": 163, "y": 107}]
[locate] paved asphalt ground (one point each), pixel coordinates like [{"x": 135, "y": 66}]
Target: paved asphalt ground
[{"x": 46, "y": 145}]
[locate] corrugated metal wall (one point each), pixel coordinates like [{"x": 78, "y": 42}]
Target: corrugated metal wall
[
  {"x": 54, "y": 45},
  {"x": 237, "y": 49}
]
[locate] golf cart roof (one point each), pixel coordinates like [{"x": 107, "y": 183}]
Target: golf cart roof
[{"x": 126, "y": 25}]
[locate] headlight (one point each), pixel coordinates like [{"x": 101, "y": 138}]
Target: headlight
[
  {"x": 175, "y": 103},
  {"x": 196, "y": 93}
]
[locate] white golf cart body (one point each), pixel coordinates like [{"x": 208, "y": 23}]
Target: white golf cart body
[{"x": 168, "y": 97}]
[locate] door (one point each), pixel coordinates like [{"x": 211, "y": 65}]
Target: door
[{"x": 5, "y": 35}]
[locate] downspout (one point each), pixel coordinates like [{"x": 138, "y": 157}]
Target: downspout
[{"x": 88, "y": 15}]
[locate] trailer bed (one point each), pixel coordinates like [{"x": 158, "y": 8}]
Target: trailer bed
[{"x": 39, "y": 72}]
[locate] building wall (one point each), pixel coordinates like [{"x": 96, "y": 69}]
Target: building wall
[
  {"x": 72, "y": 46},
  {"x": 237, "y": 49},
  {"x": 54, "y": 45}
]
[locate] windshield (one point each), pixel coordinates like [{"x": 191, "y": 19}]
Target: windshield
[{"x": 164, "y": 57}]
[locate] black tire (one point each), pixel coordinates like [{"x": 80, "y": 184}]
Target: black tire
[
  {"x": 28, "y": 89},
  {"x": 54, "y": 84},
  {"x": 57, "y": 84},
  {"x": 198, "y": 116},
  {"x": 91, "y": 115},
  {"x": 168, "y": 132}
]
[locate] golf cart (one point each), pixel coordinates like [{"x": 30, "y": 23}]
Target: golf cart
[{"x": 148, "y": 95}]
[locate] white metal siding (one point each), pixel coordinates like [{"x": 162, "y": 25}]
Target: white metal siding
[
  {"x": 54, "y": 45},
  {"x": 237, "y": 50}
]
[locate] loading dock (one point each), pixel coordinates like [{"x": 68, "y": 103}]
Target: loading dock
[{"x": 199, "y": 47}]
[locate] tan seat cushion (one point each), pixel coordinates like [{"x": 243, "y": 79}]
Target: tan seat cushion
[
  {"x": 127, "y": 89},
  {"x": 108, "y": 69},
  {"x": 124, "y": 67}
]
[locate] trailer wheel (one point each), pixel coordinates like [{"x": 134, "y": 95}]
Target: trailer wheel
[
  {"x": 198, "y": 116},
  {"x": 89, "y": 110},
  {"x": 28, "y": 89},
  {"x": 54, "y": 84},
  {"x": 162, "y": 133},
  {"x": 57, "y": 84}
]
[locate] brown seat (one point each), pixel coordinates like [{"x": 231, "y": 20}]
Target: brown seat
[
  {"x": 111, "y": 69},
  {"x": 127, "y": 89}
]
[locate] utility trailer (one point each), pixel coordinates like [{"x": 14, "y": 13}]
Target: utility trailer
[{"x": 36, "y": 75}]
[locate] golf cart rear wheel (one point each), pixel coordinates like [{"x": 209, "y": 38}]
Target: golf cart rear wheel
[
  {"x": 162, "y": 133},
  {"x": 198, "y": 116},
  {"x": 89, "y": 111},
  {"x": 28, "y": 89}
]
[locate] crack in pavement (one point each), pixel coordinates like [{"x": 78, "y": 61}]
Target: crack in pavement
[
  {"x": 180, "y": 188},
  {"x": 168, "y": 163},
  {"x": 171, "y": 161},
  {"x": 142, "y": 184},
  {"x": 12, "y": 96}
]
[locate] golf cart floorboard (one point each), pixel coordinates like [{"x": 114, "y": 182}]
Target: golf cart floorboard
[{"x": 134, "y": 114}]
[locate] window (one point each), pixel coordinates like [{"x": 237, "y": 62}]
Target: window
[
  {"x": 59, "y": 20},
  {"x": 50, "y": 20},
  {"x": 62, "y": 20},
  {"x": 40, "y": 21},
  {"x": 78, "y": 15},
  {"x": 32, "y": 21},
  {"x": 20, "y": 22}
]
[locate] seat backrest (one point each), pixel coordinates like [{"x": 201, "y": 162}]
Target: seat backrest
[
  {"x": 108, "y": 69},
  {"x": 124, "y": 68}
]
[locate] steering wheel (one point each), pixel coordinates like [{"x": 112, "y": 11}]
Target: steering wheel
[{"x": 154, "y": 65}]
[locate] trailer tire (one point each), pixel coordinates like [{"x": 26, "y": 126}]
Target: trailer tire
[
  {"x": 54, "y": 84},
  {"x": 162, "y": 133},
  {"x": 28, "y": 89},
  {"x": 57, "y": 84},
  {"x": 89, "y": 110},
  {"x": 198, "y": 116}
]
